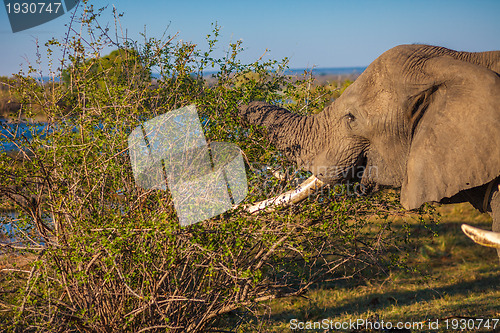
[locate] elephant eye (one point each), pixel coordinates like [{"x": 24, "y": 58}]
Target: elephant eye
[{"x": 350, "y": 117}]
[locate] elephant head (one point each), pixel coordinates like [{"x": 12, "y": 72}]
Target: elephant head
[{"x": 422, "y": 118}]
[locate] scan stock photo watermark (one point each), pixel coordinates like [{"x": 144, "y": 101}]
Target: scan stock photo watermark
[
  {"x": 205, "y": 180},
  {"x": 447, "y": 324},
  {"x": 24, "y": 14}
]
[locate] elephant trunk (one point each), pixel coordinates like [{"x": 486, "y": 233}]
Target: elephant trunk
[{"x": 294, "y": 135}]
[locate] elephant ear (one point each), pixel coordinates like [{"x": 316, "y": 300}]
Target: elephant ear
[{"x": 455, "y": 132}]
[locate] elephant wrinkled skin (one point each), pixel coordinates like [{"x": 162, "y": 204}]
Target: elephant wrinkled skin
[{"x": 422, "y": 118}]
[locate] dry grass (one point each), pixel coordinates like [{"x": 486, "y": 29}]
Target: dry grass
[{"x": 453, "y": 278}]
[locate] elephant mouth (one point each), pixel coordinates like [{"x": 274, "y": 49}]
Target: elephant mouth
[
  {"x": 359, "y": 175},
  {"x": 358, "y": 169},
  {"x": 367, "y": 174}
]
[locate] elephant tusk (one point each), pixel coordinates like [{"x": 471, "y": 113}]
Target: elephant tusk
[
  {"x": 482, "y": 237},
  {"x": 302, "y": 191}
]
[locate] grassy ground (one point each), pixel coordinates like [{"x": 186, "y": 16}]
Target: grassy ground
[{"x": 457, "y": 281}]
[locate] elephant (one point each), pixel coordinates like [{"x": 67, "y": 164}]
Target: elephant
[{"x": 422, "y": 118}]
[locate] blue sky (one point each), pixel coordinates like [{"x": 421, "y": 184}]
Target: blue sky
[{"x": 311, "y": 33}]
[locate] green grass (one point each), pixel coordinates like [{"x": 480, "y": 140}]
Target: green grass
[{"x": 453, "y": 278}]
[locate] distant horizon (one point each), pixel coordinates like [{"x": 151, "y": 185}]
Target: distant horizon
[{"x": 354, "y": 70}]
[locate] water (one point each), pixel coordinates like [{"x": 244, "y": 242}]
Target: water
[
  {"x": 6, "y": 219},
  {"x": 317, "y": 71},
  {"x": 328, "y": 71},
  {"x": 13, "y": 136},
  {"x": 11, "y": 224},
  {"x": 10, "y": 134}
]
